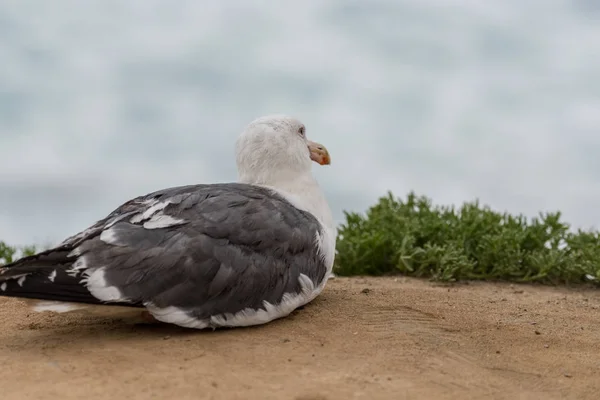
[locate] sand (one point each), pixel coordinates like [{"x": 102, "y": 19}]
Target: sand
[{"x": 363, "y": 338}]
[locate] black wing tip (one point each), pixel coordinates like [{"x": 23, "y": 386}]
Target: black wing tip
[{"x": 64, "y": 288}]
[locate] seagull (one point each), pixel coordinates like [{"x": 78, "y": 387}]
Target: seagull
[{"x": 205, "y": 255}]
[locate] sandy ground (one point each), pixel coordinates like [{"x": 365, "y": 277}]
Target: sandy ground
[{"x": 375, "y": 338}]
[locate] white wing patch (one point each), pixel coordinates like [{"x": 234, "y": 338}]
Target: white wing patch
[
  {"x": 177, "y": 316},
  {"x": 52, "y": 276},
  {"x": 3, "y": 286},
  {"x": 75, "y": 253},
  {"x": 162, "y": 221},
  {"x": 153, "y": 217},
  {"x": 155, "y": 206},
  {"x": 99, "y": 288},
  {"x": 79, "y": 266},
  {"x": 109, "y": 236},
  {"x": 95, "y": 281}
]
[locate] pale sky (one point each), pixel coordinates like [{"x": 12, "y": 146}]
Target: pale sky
[{"x": 101, "y": 101}]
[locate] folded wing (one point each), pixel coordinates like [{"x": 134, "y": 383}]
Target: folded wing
[{"x": 202, "y": 255}]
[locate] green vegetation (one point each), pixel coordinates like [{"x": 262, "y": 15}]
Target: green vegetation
[
  {"x": 9, "y": 254},
  {"x": 413, "y": 237},
  {"x": 416, "y": 238}
]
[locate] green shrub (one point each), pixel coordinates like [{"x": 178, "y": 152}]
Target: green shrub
[
  {"x": 9, "y": 254},
  {"x": 414, "y": 237}
]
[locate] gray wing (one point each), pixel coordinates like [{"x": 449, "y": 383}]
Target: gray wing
[{"x": 203, "y": 250}]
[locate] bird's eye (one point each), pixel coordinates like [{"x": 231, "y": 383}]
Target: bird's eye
[{"x": 301, "y": 131}]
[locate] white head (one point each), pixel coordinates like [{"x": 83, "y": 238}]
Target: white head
[{"x": 275, "y": 151}]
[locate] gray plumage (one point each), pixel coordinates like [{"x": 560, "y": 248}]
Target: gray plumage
[{"x": 207, "y": 249}]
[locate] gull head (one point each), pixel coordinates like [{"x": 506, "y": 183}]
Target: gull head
[{"x": 275, "y": 150}]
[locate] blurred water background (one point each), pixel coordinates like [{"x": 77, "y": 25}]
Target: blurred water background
[{"x": 104, "y": 100}]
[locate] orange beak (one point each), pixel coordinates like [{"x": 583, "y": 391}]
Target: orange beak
[{"x": 318, "y": 153}]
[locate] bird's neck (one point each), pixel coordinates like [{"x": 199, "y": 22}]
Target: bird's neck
[{"x": 303, "y": 191}]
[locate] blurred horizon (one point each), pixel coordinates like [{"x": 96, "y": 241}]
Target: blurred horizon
[{"x": 456, "y": 100}]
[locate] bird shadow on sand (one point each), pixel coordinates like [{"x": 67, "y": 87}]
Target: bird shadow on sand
[{"x": 48, "y": 330}]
